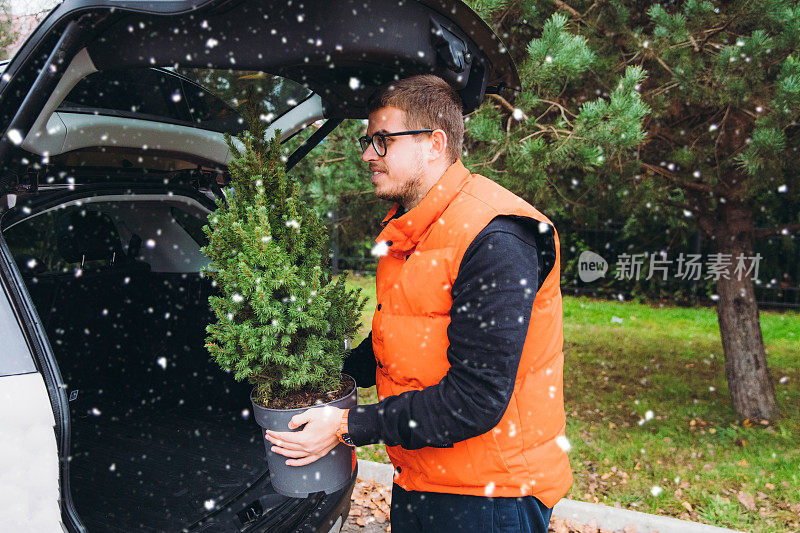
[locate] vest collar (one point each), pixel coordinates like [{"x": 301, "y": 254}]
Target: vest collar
[{"x": 405, "y": 231}]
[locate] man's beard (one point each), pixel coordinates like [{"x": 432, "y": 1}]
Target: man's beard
[{"x": 409, "y": 192}]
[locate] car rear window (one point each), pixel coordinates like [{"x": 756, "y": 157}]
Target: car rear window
[
  {"x": 204, "y": 98},
  {"x": 159, "y": 235}
]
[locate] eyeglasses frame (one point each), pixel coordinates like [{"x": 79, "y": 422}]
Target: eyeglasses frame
[{"x": 366, "y": 140}]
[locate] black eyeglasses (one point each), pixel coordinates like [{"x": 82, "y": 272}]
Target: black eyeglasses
[{"x": 378, "y": 140}]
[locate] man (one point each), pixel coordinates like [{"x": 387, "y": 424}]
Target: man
[{"x": 466, "y": 338}]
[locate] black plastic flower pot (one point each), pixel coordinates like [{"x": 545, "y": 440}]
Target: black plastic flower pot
[{"x": 329, "y": 474}]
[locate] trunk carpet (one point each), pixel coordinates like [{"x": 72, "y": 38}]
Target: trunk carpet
[{"x": 155, "y": 469}]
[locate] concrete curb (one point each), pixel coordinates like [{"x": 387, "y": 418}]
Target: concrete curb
[
  {"x": 615, "y": 519},
  {"x": 380, "y": 472},
  {"x": 603, "y": 516}
]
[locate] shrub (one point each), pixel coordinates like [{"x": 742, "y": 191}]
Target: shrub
[{"x": 281, "y": 318}]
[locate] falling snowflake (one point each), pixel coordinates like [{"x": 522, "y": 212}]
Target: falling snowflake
[
  {"x": 292, "y": 224},
  {"x": 15, "y": 136},
  {"x": 176, "y": 97},
  {"x": 518, "y": 114},
  {"x": 656, "y": 491},
  {"x": 783, "y": 188},
  {"x": 489, "y": 489},
  {"x": 209, "y": 504},
  {"x": 96, "y": 411},
  {"x": 380, "y": 249},
  {"x": 150, "y": 243},
  {"x": 245, "y": 413},
  {"x": 162, "y": 362},
  {"x": 563, "y": 443},
  {"x": 211, "y": 42},
  {"x": 784, "y": 380},
  {"x": 112, "y": 467},
  {"x": 355, "y": 83},
  {"x": 237, "y": 298},
  {"x": 648, "y": 415}
]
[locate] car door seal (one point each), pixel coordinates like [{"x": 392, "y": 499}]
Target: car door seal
[
  {"x": 50, "y": 74},
  {"x": 311, "y": 142}
]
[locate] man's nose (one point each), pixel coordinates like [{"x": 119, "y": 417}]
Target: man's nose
[{"x": 369, "y": 154}]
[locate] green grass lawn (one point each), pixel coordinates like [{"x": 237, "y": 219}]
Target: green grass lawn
[{"x": 650, "y": 421}]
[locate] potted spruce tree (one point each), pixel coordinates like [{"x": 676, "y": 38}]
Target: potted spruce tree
[{"x": 281, "y": 318}]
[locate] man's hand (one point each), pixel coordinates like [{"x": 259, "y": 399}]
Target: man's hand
[{"x": 317, "y": 438}]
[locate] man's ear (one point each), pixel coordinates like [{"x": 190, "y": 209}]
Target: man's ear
[{"x": 438, "y": 145}]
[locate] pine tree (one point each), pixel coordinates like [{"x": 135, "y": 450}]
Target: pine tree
[
  {"x": 718, "y": 149},
  {"x": 281, "y": 317}
]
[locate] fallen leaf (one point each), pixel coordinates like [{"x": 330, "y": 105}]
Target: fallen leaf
[
  {"x": 687, "y": 506},
  {"x": 743, "y": 462},
  {"x": 745, "y": 499}
]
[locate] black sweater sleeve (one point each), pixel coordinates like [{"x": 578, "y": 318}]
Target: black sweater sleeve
[
  {"x": 493, "y": 297},
  {"x": 360, "y": 363}
]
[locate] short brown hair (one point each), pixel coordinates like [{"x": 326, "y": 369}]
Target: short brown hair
[{"x": 429, "y": 102}]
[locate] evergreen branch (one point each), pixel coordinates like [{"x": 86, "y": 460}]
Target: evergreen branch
[
  {"x": 702, "y": 187},
  {"x": 569, "y": 201},
  {"x": 769, "y": 232},
  {"x": 661, "y": 62},
  {"x": 572, "y": 11},
  {"x": 713, "y": 31},
  {"x": 679, "y": 205},
  {"x": 719, "y": 135},
  {"x": 560, "y": 4},
  {"x": 660, "y": 90},
  {"x": 705, "y": 224},
  {"x": 492, "y": 160},
  {"x": 560, "y": 108},
  {"x": 694, "y": 43},
  {"x": 502, "y": 101},
  {"x": 543, "y": 129}
]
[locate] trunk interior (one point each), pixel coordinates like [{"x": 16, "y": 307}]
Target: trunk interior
[{"x": 160, "y": 435}]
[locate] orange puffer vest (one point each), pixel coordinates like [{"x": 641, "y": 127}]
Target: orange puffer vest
[{"x": 525, "y": 453}]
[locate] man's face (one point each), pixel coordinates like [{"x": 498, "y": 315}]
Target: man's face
[{"x": 398, "y": 175}]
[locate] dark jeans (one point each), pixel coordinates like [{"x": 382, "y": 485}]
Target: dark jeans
[{"x": 435, "y": 512}]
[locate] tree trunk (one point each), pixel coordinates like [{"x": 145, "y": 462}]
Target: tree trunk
[{"x": 749, "y": 380}]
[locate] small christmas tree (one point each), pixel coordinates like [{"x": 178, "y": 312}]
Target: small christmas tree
[{"x": 281, "y": 318}]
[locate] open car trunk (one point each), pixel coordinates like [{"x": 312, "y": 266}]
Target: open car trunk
[
  {"x": 158, "y": 434},
  {"x": 161, "y": 437}
]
